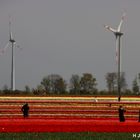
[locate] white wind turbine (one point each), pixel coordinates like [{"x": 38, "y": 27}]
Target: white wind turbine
[
  {"x": 12, "y": 44},
  {"x": 117, "y": 32}
]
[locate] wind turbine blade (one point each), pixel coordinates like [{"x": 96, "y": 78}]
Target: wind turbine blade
[
  {"x": 10, "y": 31},
  {"x": 18, "y": 46},
  {"x": 122, "y": 19},
  {"x": 2, "y": 51},
  {"x": 110, "y": 29}
]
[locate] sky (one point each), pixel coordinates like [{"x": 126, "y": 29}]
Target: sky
[{"x": 67, "y": 37}]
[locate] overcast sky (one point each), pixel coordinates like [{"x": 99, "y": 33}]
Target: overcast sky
[{"x": 67, "y": 37}]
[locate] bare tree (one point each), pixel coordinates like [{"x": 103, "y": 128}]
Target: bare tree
[
  {"x": 88, "y": 84},
  {"x": 111, "y": 80},
  {"x": 75, "y": 84},
  {"x": 54, "y": 83},
  {"x": 135, "y": 86},
  {"x": 27, "y": 89}
]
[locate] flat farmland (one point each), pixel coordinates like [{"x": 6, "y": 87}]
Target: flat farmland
[{"x": 69, "y": 114}]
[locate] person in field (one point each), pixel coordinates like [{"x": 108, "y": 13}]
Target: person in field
[
  {"x": 95, "y": 99},
  {"x": 25, "y": 110},
  {"x": 121, "y": 114}
]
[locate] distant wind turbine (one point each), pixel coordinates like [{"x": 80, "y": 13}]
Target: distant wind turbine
[
  {"x": 12, "y": 44},
  {"x": 117, "y": 32}
]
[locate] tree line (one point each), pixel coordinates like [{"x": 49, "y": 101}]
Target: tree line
[
  {"x": 86, "y": 84},
  {"x": 55, "y": 84}
]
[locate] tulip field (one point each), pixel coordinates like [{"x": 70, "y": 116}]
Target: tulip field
[{"x": 81, "y": 114}]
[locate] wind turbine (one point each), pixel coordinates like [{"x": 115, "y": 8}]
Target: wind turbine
[
  {"x": 12, "y": 44},
  {"x": 118, "y": 34}
]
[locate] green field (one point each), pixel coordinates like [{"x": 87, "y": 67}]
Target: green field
[{"x": 69, "y": 136}]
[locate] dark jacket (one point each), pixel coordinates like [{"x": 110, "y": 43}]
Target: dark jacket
[
  {"x": 121, "y": 114},
  {"x": 25, "y": 110}
]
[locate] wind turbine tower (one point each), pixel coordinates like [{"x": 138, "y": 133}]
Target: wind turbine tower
[
  {"x": 118, "y": 34},
  {"x": 12, "y": 44}
]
